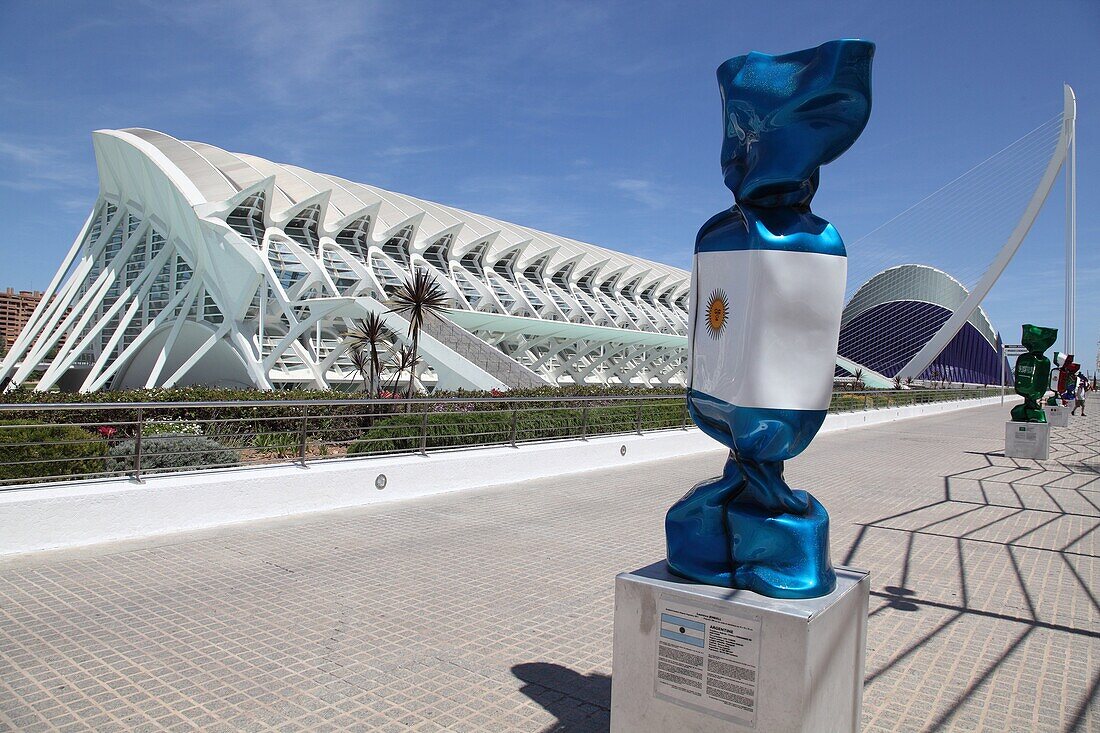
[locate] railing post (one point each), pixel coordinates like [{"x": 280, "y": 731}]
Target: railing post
[
  {"x": 684, "y": 415},
  {"x": 584, "y": 422},
  {"x": 1002, "y": 355},
  {"x": 137, "y": 446},
  {"x": 424, "y": 432},
  {"x": 638, "y": 420},
  {"x": 515, "y": 417},
  {"x": 302, "y": 437}
]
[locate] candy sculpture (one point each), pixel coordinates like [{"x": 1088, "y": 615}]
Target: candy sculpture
[
  {"x": 1032, "y": 373},
  {"x": 768, "y": 284}
]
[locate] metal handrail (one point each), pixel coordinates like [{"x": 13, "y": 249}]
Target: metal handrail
[
  {"x": 306, "y": 431},
  {"x": 372, "y": 402}
]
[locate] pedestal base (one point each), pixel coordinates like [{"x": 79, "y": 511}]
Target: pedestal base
[
  {"x": 1057, "y": 416},
  {"x": 697, "y": 658},
  {"x": 1027, "y": 440}
]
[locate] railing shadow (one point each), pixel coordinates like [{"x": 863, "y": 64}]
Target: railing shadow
[
  {"x": 1058, "y": 505},
  {"x": 581, "y": 703}
]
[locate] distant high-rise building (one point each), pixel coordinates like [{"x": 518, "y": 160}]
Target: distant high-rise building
[{"x": 15, "y": 310}]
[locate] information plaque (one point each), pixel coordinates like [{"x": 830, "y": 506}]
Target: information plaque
[{"x": 707, "y": 659}]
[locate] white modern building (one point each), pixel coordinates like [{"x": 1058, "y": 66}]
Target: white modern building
[{"x": 201, "y": 266}]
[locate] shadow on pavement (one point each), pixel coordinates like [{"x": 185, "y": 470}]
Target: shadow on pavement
[
  {"x": 1050, "y": 510},
  {"x": 580, "y": 702}
]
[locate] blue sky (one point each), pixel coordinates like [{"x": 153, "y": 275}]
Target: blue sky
[{"x": 598, "y": 121}]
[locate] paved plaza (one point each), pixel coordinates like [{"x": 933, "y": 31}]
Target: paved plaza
[{"x": 491, "y": 610}]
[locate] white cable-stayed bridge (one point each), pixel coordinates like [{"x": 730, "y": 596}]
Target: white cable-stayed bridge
[{"x": 916, "y": 283}]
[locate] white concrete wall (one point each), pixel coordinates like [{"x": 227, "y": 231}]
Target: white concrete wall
[
  {"x": 72, "y": 514},
  {"x": 863, "y": 418}
]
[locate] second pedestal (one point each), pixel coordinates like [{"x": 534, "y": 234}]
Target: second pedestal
[
  {"x": 1057, "y": 416},
  {"x": 1027, "y": 440}
]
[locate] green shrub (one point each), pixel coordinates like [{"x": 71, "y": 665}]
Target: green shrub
[
  {"x": 281, "y": 444},
  {"x": 171, "y": 453},
  {"x": 236, "y": 425},
  {"x": 42, "y": 450},
  {"x": 392, "y": 426},
  {"x": 402, "y": 433},
  {"x": 389, "y": 435}
]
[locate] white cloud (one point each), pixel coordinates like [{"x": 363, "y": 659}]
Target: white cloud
[
  {"x": 296, "y": 54},
  {"x": 643, "y": 191},
  {"x": 37, "y": 166}
]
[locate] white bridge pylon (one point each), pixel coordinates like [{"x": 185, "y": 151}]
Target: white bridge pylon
[{"x": 1063, "y": 155}]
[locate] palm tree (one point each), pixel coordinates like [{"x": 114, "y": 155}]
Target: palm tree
[
  {"x": 416, "y": 299},
  {"x": 404, "y": 360},
  {"x": 360, "y": 359},
  {"x": 364, "y": 341}
]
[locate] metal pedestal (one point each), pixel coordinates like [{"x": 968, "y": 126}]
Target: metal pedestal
[
  {"x": 1027, "y": 440},
  {"x": 695, "y": 658}
]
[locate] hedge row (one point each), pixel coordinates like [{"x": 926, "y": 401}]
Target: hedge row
[
  {"x": 843, "y": 402},
  {"x": 400, "y": 433},
  {"x": 44, "y": 451},
  {"x": 216, "y": 394},
  {"x": 240, "y": 424},
  {"x": 47, "y": 449},
  {"x": 39, "y": 451}
]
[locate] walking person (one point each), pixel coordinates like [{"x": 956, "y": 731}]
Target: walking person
[{"x": 1082, "y": 387}]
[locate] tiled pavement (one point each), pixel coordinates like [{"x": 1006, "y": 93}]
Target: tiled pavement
[{"x": 491, "y": 610}]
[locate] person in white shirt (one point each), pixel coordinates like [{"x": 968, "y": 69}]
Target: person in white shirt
[{"x": 1082, "y": 387}]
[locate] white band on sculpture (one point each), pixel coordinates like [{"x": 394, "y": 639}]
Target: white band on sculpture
[{"x": 787, "y": 305}]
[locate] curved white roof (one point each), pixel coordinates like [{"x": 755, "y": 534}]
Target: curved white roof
[{"x": 219, "y": 175}]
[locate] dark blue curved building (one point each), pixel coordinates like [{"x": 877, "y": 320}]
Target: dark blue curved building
[{"x": 898, "y": 310}]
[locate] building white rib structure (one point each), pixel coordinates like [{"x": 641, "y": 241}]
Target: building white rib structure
[{"x": 200, "y": 266}]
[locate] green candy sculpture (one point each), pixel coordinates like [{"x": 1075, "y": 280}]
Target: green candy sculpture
[{"x": 1033, "y": 373}]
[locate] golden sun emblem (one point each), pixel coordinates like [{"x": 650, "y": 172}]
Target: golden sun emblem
[{"x": 718, "y": 308}]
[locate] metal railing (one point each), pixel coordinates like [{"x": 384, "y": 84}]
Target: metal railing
[{"x": 71, "y": 441}]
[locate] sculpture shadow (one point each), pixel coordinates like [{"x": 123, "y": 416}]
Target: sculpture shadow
[
  {"x": 1056, "y": 506},
  {"x": 580, "y": 702}
]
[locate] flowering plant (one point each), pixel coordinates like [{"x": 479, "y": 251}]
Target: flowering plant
[{"x": 168, "y": 426}]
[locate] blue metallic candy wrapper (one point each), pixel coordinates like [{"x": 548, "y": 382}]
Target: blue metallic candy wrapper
[{"x": 767, "y": 294}]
